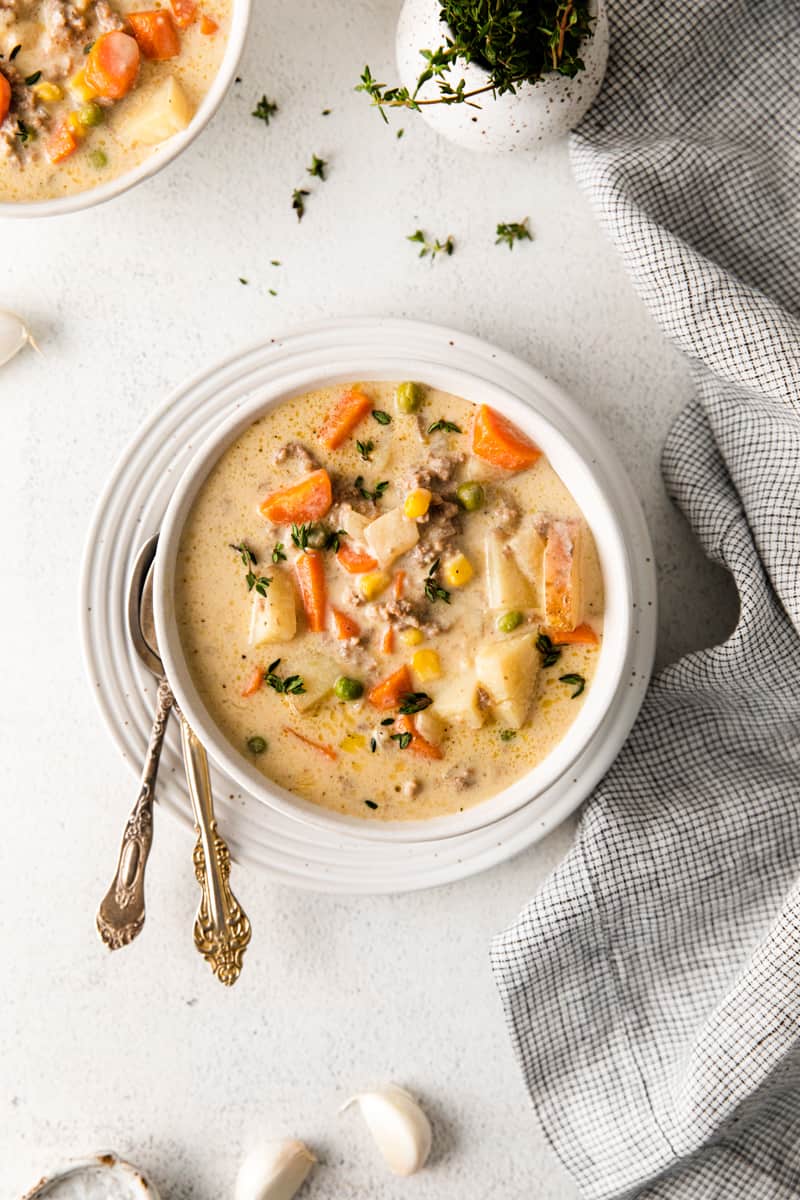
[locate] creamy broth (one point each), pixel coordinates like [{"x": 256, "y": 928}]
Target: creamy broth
[
  {"x": 54, "y": 37},
  {"x": 491, "y": 704}
]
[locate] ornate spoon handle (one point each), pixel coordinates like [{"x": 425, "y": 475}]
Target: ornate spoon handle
[
  {"x": 120, "y": 916},
  {"x": 221, "y": 929}
]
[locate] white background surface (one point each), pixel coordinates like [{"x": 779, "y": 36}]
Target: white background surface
[{"x": 143, "y": 1052}]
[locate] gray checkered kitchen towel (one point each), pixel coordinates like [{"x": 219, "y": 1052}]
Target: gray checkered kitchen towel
[{"x": 652, "y": 987}]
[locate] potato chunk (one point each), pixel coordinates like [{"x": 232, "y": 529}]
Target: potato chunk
[
  {"x": 391, "y": 535},
  {"x": 319, "y": 674},
  {"x": 506, "y": 586},
  {"x": 508, "y": 670},
  {"x": 457, "y": 700},
  {"x": 352, "y": 522},
  {"x": 273, "y": 617},
  {"x": 164, "y": 112},
  {"x": 562, "y": 575}
]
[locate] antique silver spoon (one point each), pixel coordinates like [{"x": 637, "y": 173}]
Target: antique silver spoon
[{"x": 221, "y": 928}]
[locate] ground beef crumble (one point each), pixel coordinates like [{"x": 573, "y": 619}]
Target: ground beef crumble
[{"x": 299, "y": 454}]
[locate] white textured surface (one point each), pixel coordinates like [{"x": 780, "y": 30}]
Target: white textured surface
[{"x": 142, "y": 1051}]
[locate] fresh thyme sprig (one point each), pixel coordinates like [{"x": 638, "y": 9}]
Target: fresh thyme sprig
[
  {"x": 317, "y": 168},
  {"x": 434, "y": 247},
  {"x": 433, "y": 589},
  {"x": 512, "y": 231},
  {"x": 278, "y": 554},
  {"x": 377, "y": 492},
  {"x": 259, "y": 582},
  {"x": 298, "y": 202},
  {"x": 292, "y": 685},
  {"x": 515, "y": 43},
  {"x": 316, "y": 537},
  {"x": 446, "y": 426},
  {"x": 265, "y": 110},
  {"x": 550, "y": 653},
  {"x": 365, "y": 449}
]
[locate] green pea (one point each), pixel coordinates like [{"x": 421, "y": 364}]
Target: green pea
[
  {"x": 509, "y": 621},
  {"x": 470, "y": 496},
  {"x": 90, "y": 115},
  {"x": 409, "y": 397},
  {"x": 99, "y": 159},
  {"x": 256, "y": 745},
  {"x": 348, "y": 689}
]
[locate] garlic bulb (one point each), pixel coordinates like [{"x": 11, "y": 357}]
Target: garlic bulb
[
  {"x": 399, "y": 1127},
  {"x": 14, "y": 334},
  {"x": 275, "y": 1171}
]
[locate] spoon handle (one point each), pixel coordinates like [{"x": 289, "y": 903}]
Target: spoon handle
[
  {"x": 120, "y": 916},
  {"x": 221, "y": 929}
]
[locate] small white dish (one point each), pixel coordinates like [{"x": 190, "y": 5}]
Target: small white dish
[
  {"x": 161, "y": 154},
  {"x": 131, "y": 508},
  {"x": 530, "y": 411},
  {"x": 100, "y": 1176}
]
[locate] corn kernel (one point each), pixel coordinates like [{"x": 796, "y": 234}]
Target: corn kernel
[
  {"x": 74, "y": 122},
  {"x": 372, "y": 583},
  {"x": 417, "y": 503},
  {"x": 353, "y": 742},
  {"x": 48, "y": 93},
  {"x": 80, "y": 87},
  {"x": 458, "y": 571},
  {"x": 426, "y": 665},
  {"x": 411, "y": 637}
]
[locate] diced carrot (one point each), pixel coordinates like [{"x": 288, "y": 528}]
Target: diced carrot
[
  {"x": 355, "y": 561},
  {"x": 344, "y": 625},
  {"x": 185, "y": 12},
  {"x": 155, "y": 34},
  {"x": 5, "y": 97},
  {"x": 390, "y": 691},
  {"x": 351, "y": 407},
  {"x": 387, "y": 641},
  {"x": 208, "y": 25},
  {"x": 112, "y": 65},
  {"x": 399, "y": 584},
  {"x": 62, "y": 142},
  {"x": 307, "y": 500},
  {"x": 499, "y": 442},
  {"x": 328, "y": 751},
  {"x": 583, "y": 635},
  {"x": 310, "y": 570},
  {"x": 254, "y": 682},
  {"x": 418, "y": 744}
]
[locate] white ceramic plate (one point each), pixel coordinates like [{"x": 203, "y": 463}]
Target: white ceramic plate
[{"x": 132, "y": 508}]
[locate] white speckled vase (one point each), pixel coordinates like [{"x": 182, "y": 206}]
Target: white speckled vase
[{"x": 536, "y": 114}]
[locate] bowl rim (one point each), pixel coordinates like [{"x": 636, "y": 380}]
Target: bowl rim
[
  {"x": 162, "y": 154},
  {"x": 389, "y": 362}
]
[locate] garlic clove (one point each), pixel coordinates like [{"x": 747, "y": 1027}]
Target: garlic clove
[
  {"x": 398, "y": 1126},
  {"x": 275, "y": 1171},
  {"x": 14, "y": 334}
]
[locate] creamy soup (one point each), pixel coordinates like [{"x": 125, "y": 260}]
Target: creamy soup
[
  {"x": 388, "y": 600},
  {"x": 87, "y": 89}
]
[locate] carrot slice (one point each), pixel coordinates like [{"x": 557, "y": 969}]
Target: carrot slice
[
  {"x": 355, "y": 561},
  {"x": 61, "y": 143},
  {"x": 387, "y": 641},
  {"x": 155, "y": 34},
  {"x": 344, "y": 625},
  {"x": 254, "y": 682},
  {"x": 310, "y": 570},
  {"x": 328, "y": 751},
  {"x": 113, "y": 65},
  {"x": 208, "y": 25},
  {"x": 582, "y": 635},
  {"x": 185, "y": 12},
  {"x": 499, "y": 442},
  {"x": 390, "y": 691},
  {"x": 418, "y": 744},
  {"x": 399, "y": 584},
  {"x": 5, "y": 97},
  {"x": 307, "y": 500},
  {"x": 351, "y": 407},
  {"x": 562, "y": 581}
]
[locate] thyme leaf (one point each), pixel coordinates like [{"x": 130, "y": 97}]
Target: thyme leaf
[
  {"x": 414, "y": 702},
  {"x": 365, "y": 449},
  {"x": 374, "y": 495},
  {"x": 259, "y": 582},
  {"x": 403, "y": 739},
  {"x": 292, "y": 685},
  {"x": 432, "y": 247},
  {"x": 381, "y": 417},
  {"x": 550, "y": 653},
  {"x": 576, "y": 681},
  {"x": 278, "y": 554},
  {"x": 317, "y": 168},
  {"x": 433, "y": 590},
  {"x": 298, "y": 202},
  {"x": 447, "y": 426},
  {"x": 512, "y": 231},
  {"x": 265, "y": 110}
]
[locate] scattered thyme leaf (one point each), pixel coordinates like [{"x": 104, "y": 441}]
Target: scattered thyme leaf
[
  {"x": 317, "y": 168},
  {"x": 507, "y": 735},
  {"x": 243, "y": 280},
  {"x": 265, "y": 110},
  {"x": 414, "y": 702},
  {"x": 387, "y": 721},
  {"x": 23, "y": 133},
  {"x": 292, "y": 685},
  {"x": 399, "y": 134},
  {"x": 326, "y": 112},
  {"x": 272, "y": 292},
  {"x": 432, "y": 247},
  {"x": 403, "y": 739},
  {"x": 373, "y": 744},
  {"x": 278, "y": 553},
  {"x": 370, "y": 804},
  {"x": 433, "y": 590},
  {"x": 375, "y": 495},
  {"x": 34, "y": 78},
  {"x": 274, "y": 262},
  {"x": 550, "y": 653},
  {"x": 17, "y": 49},
  {"x": 365, "y": 449},
  {"x": 381, "y": 417},
  {"x": 447, "y": 426},
  {"x": 512, "y": 231},
  {"x": 576, "y": 681},
  {"x": 298, "y": 202}
]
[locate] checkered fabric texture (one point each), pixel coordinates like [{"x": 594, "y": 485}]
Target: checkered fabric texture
[{"x": 652, "y": 987}]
